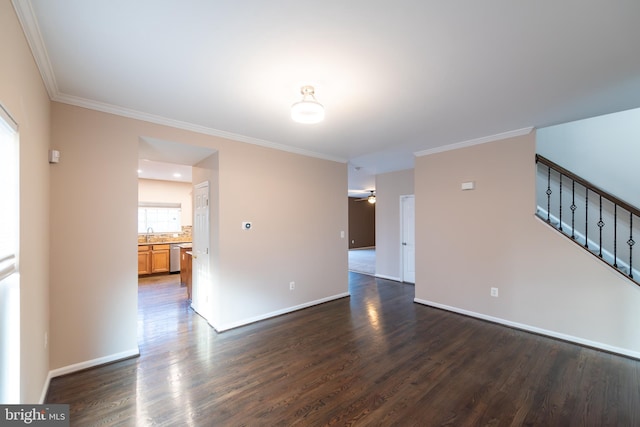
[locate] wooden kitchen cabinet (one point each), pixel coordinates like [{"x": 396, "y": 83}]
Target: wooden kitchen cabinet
[
  {"x": 183, "y": 266},
  {"x": 160, "y": 255},
  {"x": 189, "y": 274},
  {"x": 185, "y": 269},
  {"x": 153, "y": 259},
  {"x": 144, "y": 259}
]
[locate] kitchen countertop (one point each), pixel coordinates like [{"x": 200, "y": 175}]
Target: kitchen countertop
[{"x": 163, "y": 243}]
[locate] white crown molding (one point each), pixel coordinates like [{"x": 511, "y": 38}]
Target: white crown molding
[
  {"x": 139, "y": 115},
  {"x": 30, "y": 28},
  {"x": 476, "y": 141},
  {"x": 27, "y": 18}
]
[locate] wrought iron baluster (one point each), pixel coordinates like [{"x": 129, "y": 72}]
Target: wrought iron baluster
[
  {"x": 602, "y": 218},
  {"x": 615, "y": 235},
  {"x": 560, "y": 204},
  {"x": 549, "y": 194},
  {"x": 573, "y": 209},
  {"x": 600, "y": 225},
  {"x": 631, "y": 242},
  {"x": 586, "y": 217}
]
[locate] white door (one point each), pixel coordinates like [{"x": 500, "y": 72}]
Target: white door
[
  {"x": 201, "y": 285},
  {"x": 407, "y": 206}
]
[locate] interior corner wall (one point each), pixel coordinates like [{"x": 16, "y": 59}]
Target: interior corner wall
[
  {"x": 470, "y": 241},
  {"x": 389, "y": 187},
  {"x": 94, "y": 199},
  {"x": 289, "y": 241},
  {"x": 23, "y": 94},
  {"x": 94, "y": 241}
]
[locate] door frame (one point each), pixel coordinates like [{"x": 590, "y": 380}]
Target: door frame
[
  {"x": 402, "y": 230},
  {"x": 203, "y": 305}
]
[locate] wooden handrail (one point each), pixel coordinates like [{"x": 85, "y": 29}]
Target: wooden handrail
[{"x": 588, "y": 185}]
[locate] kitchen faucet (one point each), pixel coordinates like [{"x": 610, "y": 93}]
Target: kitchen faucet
[{"x": 149, "y": 232}]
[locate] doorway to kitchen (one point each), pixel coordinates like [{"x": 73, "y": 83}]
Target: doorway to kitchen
[{"x": 167, "y": 171}]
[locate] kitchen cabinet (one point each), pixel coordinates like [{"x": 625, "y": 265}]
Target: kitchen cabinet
[
  {"x": 144, "y": 259},
  {"x": 160, "y": 258},
  {"x": 185, "y": 269},
  {"x": 153, "y": 259}
]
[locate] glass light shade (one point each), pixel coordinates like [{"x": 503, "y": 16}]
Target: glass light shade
[
  {"x": 371, "y": 199},
  {"x": 307, "y": 111}
]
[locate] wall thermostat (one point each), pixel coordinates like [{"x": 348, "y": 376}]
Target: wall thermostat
[{"x": 246, "y": 225}]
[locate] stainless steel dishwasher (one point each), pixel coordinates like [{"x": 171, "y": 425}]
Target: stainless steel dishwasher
[{"x": 174, "y": 258}]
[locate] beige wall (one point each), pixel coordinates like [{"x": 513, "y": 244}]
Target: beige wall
[
  {"x": 289, "y": 241},
  {"x": 153, "y": 190},
  {"x": 93, "y": 306},
  {"x": 470, "y": 241},
  {"x": 23, "y": 94},
  {"x": 94, "y": 198},
  {"x": 389, "y": 187}
]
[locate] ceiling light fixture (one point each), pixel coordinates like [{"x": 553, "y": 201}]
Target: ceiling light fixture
[
  {"x": 307, "y": 111},
  {"x": 372, "y": 198}
]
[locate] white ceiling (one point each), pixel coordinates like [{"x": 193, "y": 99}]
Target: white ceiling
[
  {"x": 167, "y": 160},
  {"x": 395, "y": 78}
]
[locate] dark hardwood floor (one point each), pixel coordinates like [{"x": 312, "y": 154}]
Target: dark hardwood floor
[{"x": 374, "y": 359}]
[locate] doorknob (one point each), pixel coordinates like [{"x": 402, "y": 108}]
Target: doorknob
[{"x": 404, "y": 244}]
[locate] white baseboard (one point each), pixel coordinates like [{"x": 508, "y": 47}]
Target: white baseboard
[
  {"x": 84, "y": 365},
  {"x": 533, "y": 329},
  {"x": 384, "y": 276},
  {"x": 45, "y": 388},
  {"x": 265, "y": 316}
]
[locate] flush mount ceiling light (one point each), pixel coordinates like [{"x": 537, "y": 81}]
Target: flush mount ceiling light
[{"x": 308, "y": 110}]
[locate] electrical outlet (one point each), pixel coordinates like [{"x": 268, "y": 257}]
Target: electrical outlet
[
  {"x": 46, "y": 340},
  {"x": 494, "y": 292},
  {"x": 292, "y": 285}
]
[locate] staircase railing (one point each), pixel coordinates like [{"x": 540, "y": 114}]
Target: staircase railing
[{"x": 597, "y": 220}]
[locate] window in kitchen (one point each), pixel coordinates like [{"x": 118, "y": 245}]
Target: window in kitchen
[
  {"x": 9, "y": 268},
  {"x": 159, "y": 217}
]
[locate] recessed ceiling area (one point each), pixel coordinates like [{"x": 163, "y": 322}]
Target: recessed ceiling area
[
  {"x": 394, "y": 78},
  {"x": 149, "y": 169},
  {"x": 168, "y": 160}
]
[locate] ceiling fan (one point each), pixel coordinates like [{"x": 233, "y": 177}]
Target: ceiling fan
[{"x": 371, "y": 198}]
